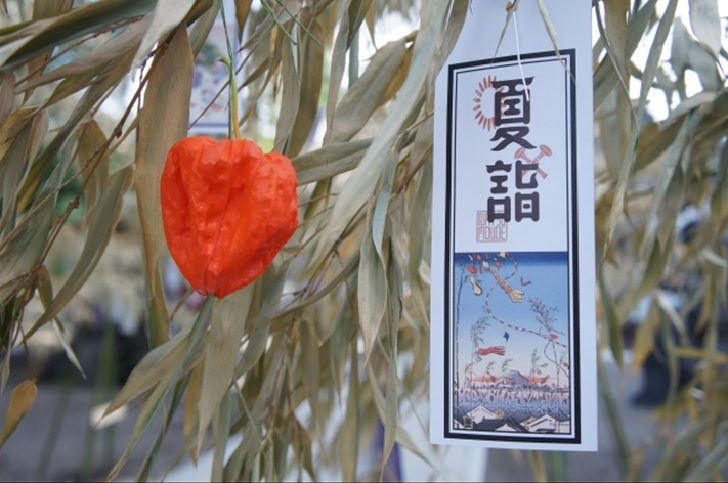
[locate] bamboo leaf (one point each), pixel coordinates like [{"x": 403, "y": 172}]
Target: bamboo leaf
[
  {"x": 329, "y": 161},
  {"x": 45, "y": 293},
  {"x": 191, "y": 414},
  {"x": 392, "y": 402},
  {"x": 371, "y": 292},
  {"x": 663, "y": 183},
  {"x": 201, "y": 30},
  {"x": 21, "y": 400},
  {"x": 44, "y": 10},
  {"x": 356, "y": 13},
  {"x": 421, "y": 203},
  {"x": 7, "y": 94},
  {"x": 41, "y": 35},
  {"x": 645, "y": 337},
  {"x": 157, "y": 318},
  {"x": 146, "y": 467},
  {"x": 73, "y": 84},
  {"x": 168, "y": 14},
  {"x": 402, "y": 437},
  {"x": 362, "y": 99},
  {"x": 350, "y": 428},
  {"x": 90, "y": 139},
  {"x": 220, "y": 435},
  {"x": 345, "y": 330},
  {"x": 60, "y": 332},
  {"x": 336, "y": 73},
  {"x": 705, "y": 23},
  {"x": 699, "y": 354},
  {"x": 150, "y": 370},
  {"x": 398, "y": 79},
  {"x": 223, "y": 348},
  {"x": 160, "y": 393},
  {"x": 359, "y": 186},
  {"x": 625, "y": 171},
  {"x": 163, "y": 120},
  {"x": 14, "y": 164},
  {"x": 242, "y": 10},
  {"x": 109, "y": 78},
  {"x": 113, "y": 49},
  {"x": 259, "y": 334},
  {"x": 100, "y": 229},
  {"x": 312, "y": 65},
  {"x": 289, "y": 100},
  {"x": 23, "y": 249},
  {"x": 310, "y": 367}
]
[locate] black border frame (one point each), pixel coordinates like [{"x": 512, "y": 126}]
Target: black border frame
[{"x": 573, "y": 255}]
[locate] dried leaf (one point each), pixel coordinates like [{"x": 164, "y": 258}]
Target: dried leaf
[
  {"x": 289, "y": 99},
  {"x": 168, "y": 14},
  {"x": 157, "y": 318},
  {"x": 312, "y": 65},
  {"x": 391, "y": 424},
  {"x": 108, "y": 79},
  {"x": 310, "y": 367},
  {"x": 102, "y": 225},
  {"x": 336, "y": 73},
  {"x": 150, "y": 370},
  {"x": 24, "y": 247},
  {"x": 113, "y": 49},
  {"x": 44, "y": 34},
  {"x": 705, "y": 23},
  {"x": 223, "y": 348},
  {"x": 7, "y": 94},
  {"x": 220, "y": 435},
  {"x": 14, "y": 165},
  {"x": 359, "y": 186},
  {"x": 350, "y": 430},
  {"x": 356, "y": 13},
  {"x": 163, "y": 120},
  {"x": 362, "y": 98},
  {"x": 44, "y": 10},
  {"x": 45, "y": 293},
  {"x": 90, "y": 140},
  {"x": 421, "y": 202},
  {"x": 616, "y": 339},
  {"x": 645, "y": 338},
  {"x": 329, "y": 161},
  {"x": 160, "y": 393},
  {"x": 21, "y": 400},
  {"x": 201, "y": 30},
  {"x": 242, "y": 10},
  {"x": 625, "y": 171},
  {"x": 401, "y": 437},
  {"x": 664, "y": 179}
]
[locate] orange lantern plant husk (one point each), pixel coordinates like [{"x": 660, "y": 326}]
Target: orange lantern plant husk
[{"x": 228, "y": 209}]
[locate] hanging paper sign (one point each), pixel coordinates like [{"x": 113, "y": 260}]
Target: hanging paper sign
[{"x": 513, "y": 317}]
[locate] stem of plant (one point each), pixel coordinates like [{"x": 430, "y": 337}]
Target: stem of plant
[{"x": 233, "y": 81}]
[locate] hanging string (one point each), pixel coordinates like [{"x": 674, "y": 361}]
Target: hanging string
[{"x": 518, "y": 57}]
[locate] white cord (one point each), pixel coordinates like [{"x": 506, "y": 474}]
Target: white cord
[{"x": 518, "y": 57}]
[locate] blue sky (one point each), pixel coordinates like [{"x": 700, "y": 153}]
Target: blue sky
[{"x": 548, "y": 277}]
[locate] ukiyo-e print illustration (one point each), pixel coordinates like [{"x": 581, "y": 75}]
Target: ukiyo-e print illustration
[
  {"x": 512, "y": 259},
  {"x": 511, "y": 343}
]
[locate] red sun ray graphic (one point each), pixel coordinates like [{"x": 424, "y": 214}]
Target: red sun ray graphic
[{"x": 485, "y": 103}]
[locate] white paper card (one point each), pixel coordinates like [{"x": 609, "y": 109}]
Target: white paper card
[{"x": 513, "y": 303}]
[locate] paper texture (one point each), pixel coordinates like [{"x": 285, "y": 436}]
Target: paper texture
[{"x": 513, "y": 322}]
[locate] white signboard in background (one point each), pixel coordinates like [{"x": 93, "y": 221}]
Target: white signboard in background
[
  {"x": 513, "y": 303},
  {"x": 210, "y": 112}
]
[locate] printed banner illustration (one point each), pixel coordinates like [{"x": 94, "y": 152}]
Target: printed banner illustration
[{"x": 513, "y": 346}]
